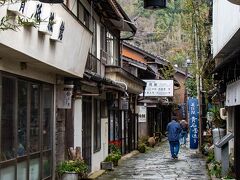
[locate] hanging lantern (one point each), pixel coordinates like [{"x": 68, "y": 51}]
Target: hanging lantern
[
  {"x": 155, "y": 4},
  {"x": 51, "y": 1},
  {"x": 237, "y": 2}
]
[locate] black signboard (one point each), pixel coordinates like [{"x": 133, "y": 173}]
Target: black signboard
[
  {"x": 155, "y": 4},
  {"x": 51, "y": 1}
]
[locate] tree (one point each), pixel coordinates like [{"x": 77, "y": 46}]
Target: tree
[{"x": 167, "y": 71}]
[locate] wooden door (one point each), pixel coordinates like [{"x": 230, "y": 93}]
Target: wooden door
[
  {"x": 87, "y": 131},
  {"x": 237, "y": 142}
]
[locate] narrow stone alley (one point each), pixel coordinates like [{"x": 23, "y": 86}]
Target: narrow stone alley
[{"x": 157, "y": 164}]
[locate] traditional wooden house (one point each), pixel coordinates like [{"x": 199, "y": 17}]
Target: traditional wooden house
[
  {"x": 157, "y": 108},
  {"x": 36, "y": 67},
  {"x": 225, "y": 37}
]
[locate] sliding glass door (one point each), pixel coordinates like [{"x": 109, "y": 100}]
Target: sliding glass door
[{"x": 26, "y": 116}]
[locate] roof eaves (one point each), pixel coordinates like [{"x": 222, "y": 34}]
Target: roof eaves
[
  {"x": 146, "y": 53},
  {"x": 125, "y": 17}
]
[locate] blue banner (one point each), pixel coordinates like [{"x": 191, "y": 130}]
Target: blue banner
[
  {"x": 183, "y": 109},
  {"x": 193, "y": 122}
]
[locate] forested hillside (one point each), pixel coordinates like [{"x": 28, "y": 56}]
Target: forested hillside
[{"x": 166, "y": 32}]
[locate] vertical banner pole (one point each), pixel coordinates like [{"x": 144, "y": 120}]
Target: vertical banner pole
[{"x": 193, "y": 122}]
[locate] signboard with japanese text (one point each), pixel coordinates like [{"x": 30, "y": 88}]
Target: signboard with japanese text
[
  {"x": 233, "y": 94},
  {"x": 158, "y": 88},
  {"x": 64, "y": 96},
  {"x": 193, "y": 122},
  {"x": 124, "y": 105},
  {"x": 35, "y": 11},
  {"x": 142, "y": 113},
  {"x": 183, "y": 110}
]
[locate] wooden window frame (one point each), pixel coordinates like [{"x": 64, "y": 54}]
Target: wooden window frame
[
  {"x": 97, "y": 125},
  {"x": 39, "y": 154}
]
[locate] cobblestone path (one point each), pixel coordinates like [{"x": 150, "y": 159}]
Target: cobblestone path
[{"x": 157, "y": 164}]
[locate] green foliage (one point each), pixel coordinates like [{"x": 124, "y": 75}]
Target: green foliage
[
  {"x": 114, "y": 149},
  {"x": 14, "y": 22},
  {"x": 210, "y": 157},
  {"x": 179, "y": 31},
  {"x": 143, "y": 144},
  {"x": 115, "y": 154},
  {"x": 167, "y": 71},
  {"x": 191, "y": 86},
  {"x": 113, "y": 157},
  {"x": 77, "y": 166},
  {"x": 142, "y": 147},
  {"x": 217, "y": 121},
  {"x": 143, "y": 140},
  {"x": 6, "y": 24},
  {"x": 216, "y": 169}
]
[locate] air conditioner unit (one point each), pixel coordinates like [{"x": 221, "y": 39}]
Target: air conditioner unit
[
  {"x": 223, "y": 113},
  {"x": 237, "y": 2}
]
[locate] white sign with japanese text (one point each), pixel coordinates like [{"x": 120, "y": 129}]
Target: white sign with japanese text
[
  {"x": 42, "y": 13},
  {"x": 159, "y": 88},
  {"x": 142, "y": 113},
  {"x": 233, "y": 94},
  {"x": 64, "y": 96}
]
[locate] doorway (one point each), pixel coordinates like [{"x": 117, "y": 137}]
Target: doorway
[
  {"x": 237, "y": 142},
  {"x": 87, "y": 131}
]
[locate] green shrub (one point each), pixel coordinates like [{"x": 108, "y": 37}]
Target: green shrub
[
  {"x": 216, "y": 169},
  {"x": 113, "y": 157},
  {"x": 114, "y": 149},
  {"x": 210, "y": 157},
  {"x": 143, "y": 140},
  {"x": 76, "y": 166},
  {"x": 142, "y": 148}
]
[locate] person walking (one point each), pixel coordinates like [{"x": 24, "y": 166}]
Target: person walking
[
  {"x": 174, "y": 130},
  {"x": 184, "y": 132}
]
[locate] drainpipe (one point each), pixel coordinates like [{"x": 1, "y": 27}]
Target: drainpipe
[{"x": 125, "y": 85}]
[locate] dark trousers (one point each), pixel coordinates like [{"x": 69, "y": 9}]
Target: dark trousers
[{"x": 174, "y": 148}]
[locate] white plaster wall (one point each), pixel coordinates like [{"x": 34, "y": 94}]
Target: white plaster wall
[
  {"x": 78, "y": 123},
  {"x": 30, "y": 72},
  {"x": 99, "y": 156},
  {"x": 226, "y": 22},
  {"x": 70, "y": 55}
]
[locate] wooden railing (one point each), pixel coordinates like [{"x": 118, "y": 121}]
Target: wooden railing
[
  {"x": 97, "y": 65},
  {"x": 107, "y": 59},
  {"x": 93, "y": 63}
]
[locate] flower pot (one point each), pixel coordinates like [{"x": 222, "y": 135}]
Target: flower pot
[
  {"x": 69, "y": 176},
  {"x": 115, "y": 163},
  {"x": 107, "y": 165}
]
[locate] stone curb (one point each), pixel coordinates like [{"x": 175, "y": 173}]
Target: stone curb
[
  {"x": 129, "y": 155},
  {"x": 96, "y": 174}
]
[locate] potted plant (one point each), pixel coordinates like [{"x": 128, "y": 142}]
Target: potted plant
[
  {"x": 72, "y": 169},
  {"x": 112, "y": 158},
  {"x": 110, "y": 161},
  {"x": 107, "y": 165},
  {"x": 142, "y": 148}
]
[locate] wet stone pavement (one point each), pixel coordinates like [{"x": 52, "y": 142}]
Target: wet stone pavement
[{"x": 157, "y": 164}]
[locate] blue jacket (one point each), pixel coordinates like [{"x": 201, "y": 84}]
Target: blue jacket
[{"x": 174, "y": 130}]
